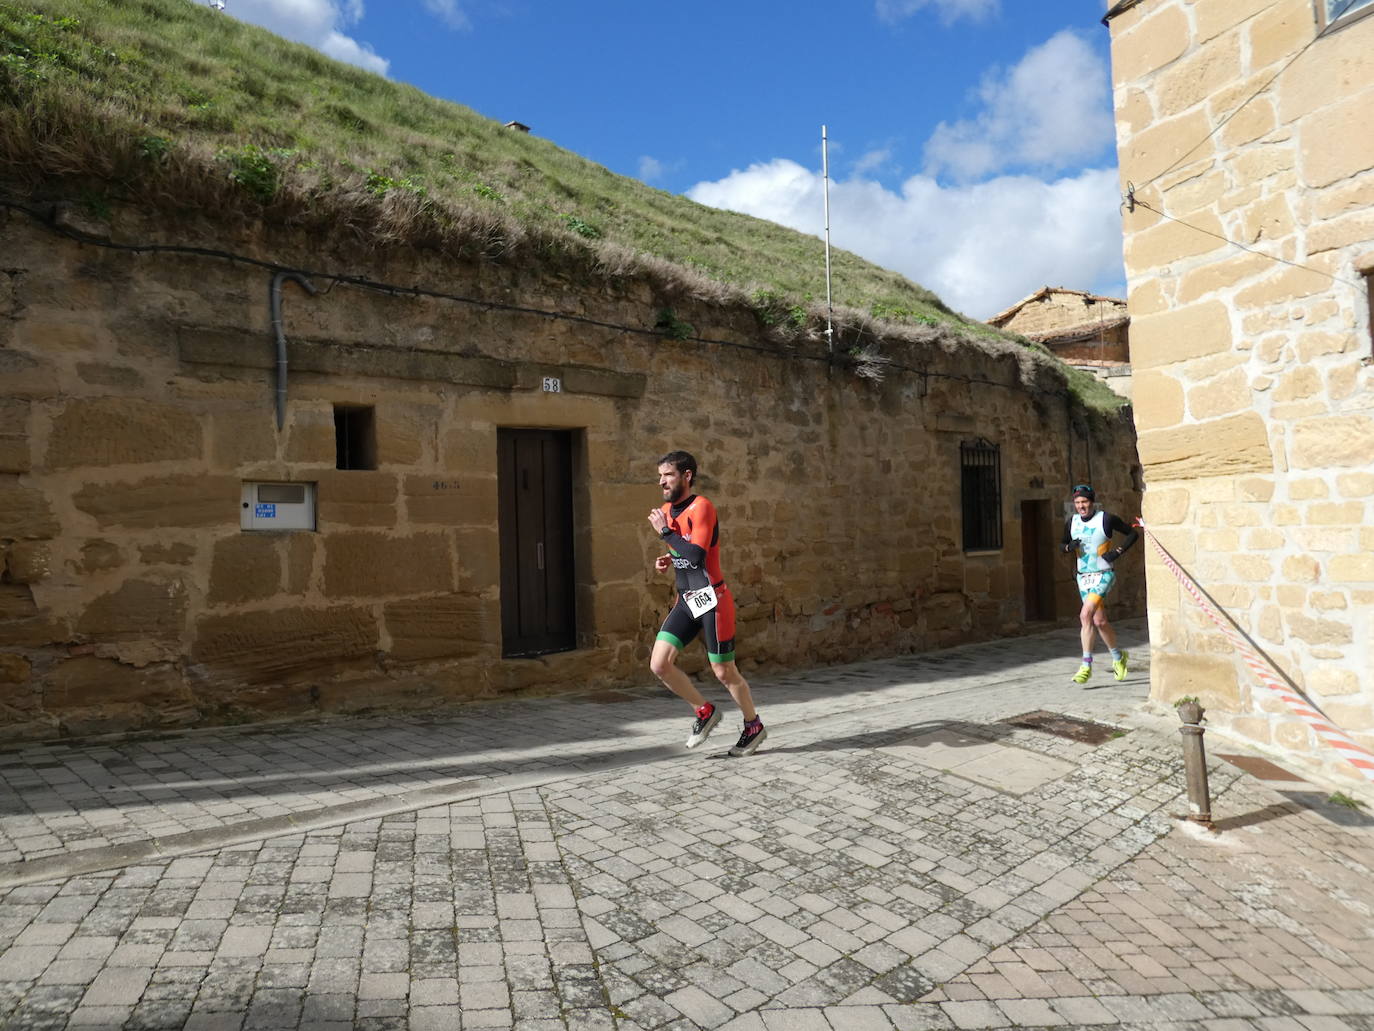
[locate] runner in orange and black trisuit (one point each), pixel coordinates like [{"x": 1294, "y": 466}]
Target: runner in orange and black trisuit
[{"x": 688, "y": 525}]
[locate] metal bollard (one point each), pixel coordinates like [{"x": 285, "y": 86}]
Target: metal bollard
[{"x": 1195, "y": 763}]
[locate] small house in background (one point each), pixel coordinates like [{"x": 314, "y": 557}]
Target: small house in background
[
  {"x": 518, "y": 126},
  {"x": 1082, "y": 329}
]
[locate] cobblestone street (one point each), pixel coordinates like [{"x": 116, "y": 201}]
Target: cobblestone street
[{"x": 901, "y": 854}]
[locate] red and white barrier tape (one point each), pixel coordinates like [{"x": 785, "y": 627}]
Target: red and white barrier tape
[{"x": 1357, "y": 755}]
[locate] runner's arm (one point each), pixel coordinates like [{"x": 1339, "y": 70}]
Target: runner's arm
[
  {"x": 1119, "y": 525},
  {"x": 1068, "y": 537},
  {"x": 699, "y": 533}
]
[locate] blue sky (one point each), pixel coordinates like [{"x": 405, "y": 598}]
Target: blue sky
[{"x": 971, "y": 141}]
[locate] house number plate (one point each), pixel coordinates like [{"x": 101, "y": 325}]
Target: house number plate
[{"x": 553, "y": 385}]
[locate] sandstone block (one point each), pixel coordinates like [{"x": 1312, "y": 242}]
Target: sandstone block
[
  {"x": 1193, "y": 78},
  {"x": 1301, "y": 569},
  {"x": 1264, "y": 540},
  {"x": 1343, "y": 199},
  {"x": 1199, "y": 283},
  {"x": 469, "y": 451},
  {"x": 117, "y": 431},
  {"x": 440, "y": 501},
  {"x": 1336, "y": 513},
  {"x": 241, "y": 438},
  {"x": 14, "y": 435},
  {"x": 1337, "y": 143},
  {"x": 355, "y": 497},
  {"x": 1334, "y": 233},
  {"x": 1157, "y": 398},
  {"x": 1274, "y": 35},
  {"x": 422, "y": 629},
  {"x": 177, "y": 501},
  {"x": 1211, "y": 679},
  {"x": 1293, "y": 736},
  {"x": 1267, "y": 219},
  {"x": 1337, "y": 440},
  {"x": 1168, "y": 242},
  {"x": 1285, "y": 285},
  {"x": 1330, "y": 681},
  {"x": 27, "y": 562},
  {"x": 26, "y": 376},
  {"x": 1157, "y": 40},
  {"x": 1236, "y": 444},
  {"x": 1253, "y": 568},
  {"x": 1255, "y": 489},
  {"x": 103, "y": 374},
  {"x": 1355, "y": 485},
  {"x": 377, "y": 565},
  {"x": 403, "y": 432},
  {"x": 1357, "y": 568},
  {"x": 1221, "y": 396},
  {"x": 1180, "y": 334},
  {"x": 279, "y": 644},
  {"x": 1317, "y": 631},
  {"x": 86, "y": 681},
  {"x": 1165, "y": 505},
  {"x": 300, "y": 561},
  {"x": 1151, "y": 151},
  {"x": 1307, "y": 489},
  {"x": 479, "y": 558},
  {"x": 1254, "y": 120},
  {"x": 310, "y": 437},
  {"x": 98, "y": 556},
  {"x": 1315, "y": 344},
  {"x": 137, "y": 608},
  {"x": 25, "y": 514},
  {"x": 14, "y": 669},
  {"x": 172, "y": 553},
  {"x": 246, "y": 567},
  {"x": 1329, "y": 601}
]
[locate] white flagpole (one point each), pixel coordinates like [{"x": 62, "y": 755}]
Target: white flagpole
[{"x": 829, "y": 306}]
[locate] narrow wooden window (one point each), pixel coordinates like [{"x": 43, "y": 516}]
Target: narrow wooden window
[{"x": 355, "y": 437}]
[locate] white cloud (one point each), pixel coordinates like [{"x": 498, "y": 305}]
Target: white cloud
[
  {"x": 1049, "y": 112},
  {"x": 873, "y": 160},
  {"x": 450, "y": 12},
  {"x": 981, "y": 247},
  {"x": 893, "y": 11},
  {"x": 317, "y": 23},
  {"x": 650, "y": 168}
]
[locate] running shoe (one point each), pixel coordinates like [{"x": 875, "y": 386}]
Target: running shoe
[
  {"x": 1084, "y": 672},
  {"x": 707, "y": 718},
  {"x": 749, "y": 741},
  {"x": 1119, "y": 666}
]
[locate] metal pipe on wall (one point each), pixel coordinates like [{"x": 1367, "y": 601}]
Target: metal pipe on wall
[{"x": 275, "y": 301}]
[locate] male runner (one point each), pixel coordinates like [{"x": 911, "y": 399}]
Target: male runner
[
  {"x": 687, "y": 523},
  {"x": 1089, "y": 534}
]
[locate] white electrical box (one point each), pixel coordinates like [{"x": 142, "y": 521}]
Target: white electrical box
[{"x": 278, "y": 506}]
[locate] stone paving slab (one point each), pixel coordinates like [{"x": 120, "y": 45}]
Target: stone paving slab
[{"x": 839, "y": 880}]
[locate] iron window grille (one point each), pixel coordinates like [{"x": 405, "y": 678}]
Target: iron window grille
[{"x": 980, "y": 472}]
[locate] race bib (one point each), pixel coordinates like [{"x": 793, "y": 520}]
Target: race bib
[
  {"x": 1089, "y": 581},
  {"x": 700, "y": 602}
]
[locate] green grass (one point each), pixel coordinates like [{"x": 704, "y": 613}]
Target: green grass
[{"x": 167, "y": 104}]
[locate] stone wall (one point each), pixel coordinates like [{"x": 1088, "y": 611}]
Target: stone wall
[
  {"x": 138, "y": 397},
  {"x": 1254, "y": 396}
]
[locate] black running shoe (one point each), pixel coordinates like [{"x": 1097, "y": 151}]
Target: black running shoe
[
  {"x": 749, "y": 741},
  {"x": 703, "y": 725}
]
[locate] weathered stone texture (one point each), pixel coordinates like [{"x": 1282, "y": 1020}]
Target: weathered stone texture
[
  {"x": 138, "y": 608},
  {"x": 175, "y": 501},
  {"x": 374, "y": 565},
  {"x": 116, "y": 431},
  {"x": 436, "y": 628},
  {"x": 244, "y": 568},
  {"x": 25, "y": 514},
  {"x": 268, "y": 645}
]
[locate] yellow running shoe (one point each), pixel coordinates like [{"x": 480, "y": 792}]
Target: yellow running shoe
[
  {"x": 1084, "y": 672},
  {"x": 1119, "y": 666}
]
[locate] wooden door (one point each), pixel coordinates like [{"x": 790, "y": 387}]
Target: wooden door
[
  {"x": 1037, "y": 560},
  {"x": 534, "y": 483}
]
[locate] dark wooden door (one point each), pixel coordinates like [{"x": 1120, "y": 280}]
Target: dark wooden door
[
  {"x": 1037, "y": 560},
  {"x": 534, "y": 482}
]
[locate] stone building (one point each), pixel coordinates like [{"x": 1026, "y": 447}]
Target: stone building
[
  {"x": 1246, "y": 145},
  {"x": 455, "y": 504},
  {"x": 1085, "y": 330}
]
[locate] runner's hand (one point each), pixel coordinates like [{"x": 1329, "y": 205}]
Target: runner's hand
[
  {"x": 1070, "y": 547},
  {"x": 663, "y": 563},
  {"x": 657, "y": 520},
  {"x": 1112, "y": 555}
]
